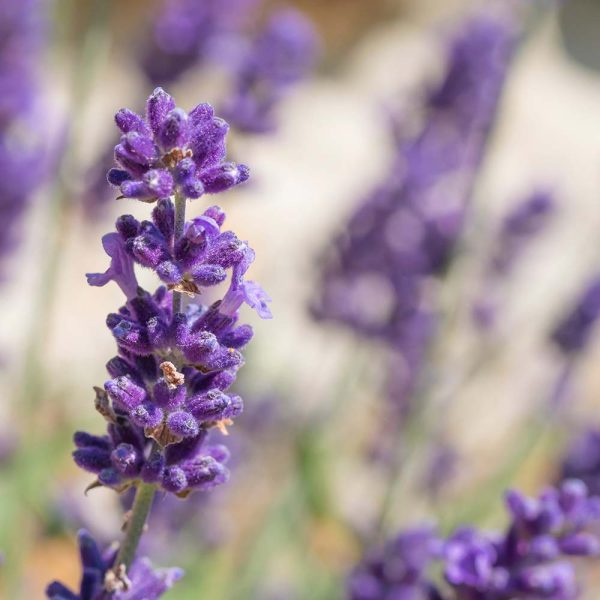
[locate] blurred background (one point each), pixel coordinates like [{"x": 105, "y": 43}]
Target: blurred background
[{"x": 431, "y": 252}]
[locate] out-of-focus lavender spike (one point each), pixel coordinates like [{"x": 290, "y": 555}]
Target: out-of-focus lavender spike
[
  {"x": 574, "y": 331},
  {"x": 518, "y": 229},
  {"x": 188, "y": 32},
  {"x": 532, "y": 558},
  {"x": 379, "y": 272},
  {"x": 280, "y": 56},
  {"x": 22, "y": 160},
  {"x": 100, "y": 582}
]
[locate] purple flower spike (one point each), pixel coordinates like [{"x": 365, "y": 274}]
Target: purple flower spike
[
  {"x": 529, "y": 560},
  {"x": 172, "y": 152},
  {"x": 143, "y": 582}
]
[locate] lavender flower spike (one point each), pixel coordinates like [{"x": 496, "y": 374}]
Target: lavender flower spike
[
  {"x": 22, "y": 154},
  {"x": 100, "y": 582},
  {"x": 168, "y": 385},
  {"x": 531, "y": 559},
  {"x": 172, "y": 152}
]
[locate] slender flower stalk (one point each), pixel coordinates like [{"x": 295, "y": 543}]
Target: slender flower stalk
[{"x": 168, "y": 384}]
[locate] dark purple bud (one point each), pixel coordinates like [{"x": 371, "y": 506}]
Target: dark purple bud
[
  {"x": 187, "y": 449},
  {"x": 128, "y": 226},
  {"x": 222, "y": 177},
  {"x": 127, "y": 459},
  {"x": 207, "y": 275},
  {"x": 125, "y": 393},
  {"x": 110, "y": 477},
  {"x": 182, "y": 423},
  {"x": 92, "y": 459},
  {"x": 140, "y": 148},
  {"x": 238, "y": 337},
  {"x": 119, "y": 367},
  {"x": 215, "y": 213},
  {"x": 159, "y": 182},
  {"x": 153, "y": 468},
  {"x": 149, "y": 251},
  {"x": 174, "y": 479},
  {"x": 202, "y": 114},
  {"x": 127, "y": 121},
  {"x": 206, "y": 473},
  {"x": 129, "y": 161},
  {"x": 199, "y": 346},
  {"x": 174, "y": 130},
  {"x": 163, "y": 217},
  {"x": 159, "y": 105},
  {"x": 147, "y": 415},
  {"x": 168, "y": 396},
  {"x": 157, "y": 332},
  {"x": 169, "y": 272},
  {"x": 209, "y": 406},
  {"x": 87, "y": 440},
  {"x": 207, "y": 143},
  {"x": 117, "y": 176}
]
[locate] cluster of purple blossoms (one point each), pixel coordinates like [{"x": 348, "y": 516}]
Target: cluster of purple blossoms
[
  {"x": 280, "y": 56},
  {"x": 99, "y": 582},
  {"x": 530, "y": 560},
  {"x": 188, "y": 32},
  {"x": 21, "y": 156},
  {"x": 401, "y": 239},
  {"x": 169, "y": 383},
  {"x": 172, "y": 152},
  {"x": 519, "y": 227}
]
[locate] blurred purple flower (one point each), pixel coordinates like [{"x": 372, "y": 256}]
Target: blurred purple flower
[
  {"x": 187, "y": 33},
  {"x": 280, "y": 56},
  {"x": 380, "y": 273},
  {"x": 22, "y": 155},
  {"x": 532, "y": 559},
  {"x": 99, "y": 582}
]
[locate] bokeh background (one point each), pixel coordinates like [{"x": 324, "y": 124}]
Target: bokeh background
[{"x": 312, "y": 453}]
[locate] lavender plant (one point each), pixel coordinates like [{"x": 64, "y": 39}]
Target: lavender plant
[
  {"x": 21, "y": 150},
  {"x": 168, "y": 386},
  {"x": 401, "y": 239},
  {"x": 532, "y": 558}
]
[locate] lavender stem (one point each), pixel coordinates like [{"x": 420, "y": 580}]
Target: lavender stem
[
  {"x": 135, "y": 526},
  {"x": 179, "y": 225}
]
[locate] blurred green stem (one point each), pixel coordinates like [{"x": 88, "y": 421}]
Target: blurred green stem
[{"x": 142, "y": 504}]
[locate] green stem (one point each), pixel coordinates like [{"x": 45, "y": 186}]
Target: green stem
[
  {"x": 179, "y": 226},
  {"x": 135, "y": 525}
]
